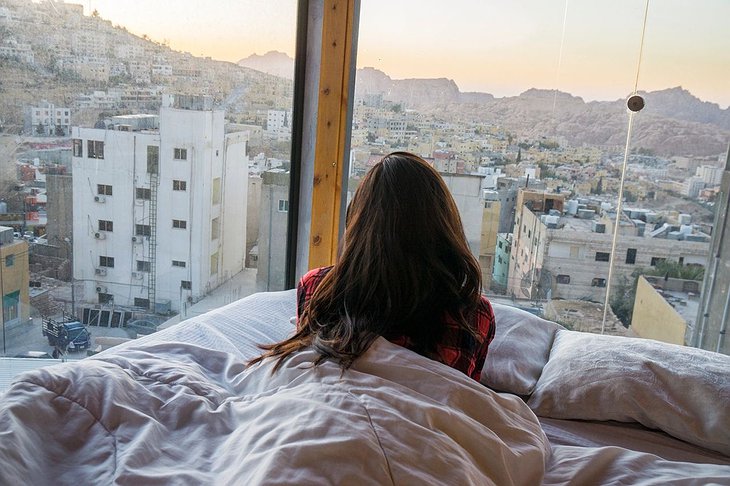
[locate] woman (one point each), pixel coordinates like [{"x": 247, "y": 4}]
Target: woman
[{"x": 405, "y": 272}]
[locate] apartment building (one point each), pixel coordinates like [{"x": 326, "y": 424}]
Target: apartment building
[
  {"x": 13, "y": 279},
  {"x": 47, "y": 119},
  {"x": 159, "y": 208},
  {"x": 566, "y": 254}
]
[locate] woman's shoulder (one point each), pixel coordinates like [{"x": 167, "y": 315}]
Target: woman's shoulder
[{"x": 314, "y": 276}]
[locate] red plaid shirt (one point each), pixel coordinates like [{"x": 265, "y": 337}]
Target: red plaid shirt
[{"x": 458, "y": 349}]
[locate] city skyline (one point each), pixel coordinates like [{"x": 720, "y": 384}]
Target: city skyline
[{"x": 589, "y": 49}]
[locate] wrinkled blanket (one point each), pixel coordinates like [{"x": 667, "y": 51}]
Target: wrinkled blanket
[{"x": 176, "y": 413}]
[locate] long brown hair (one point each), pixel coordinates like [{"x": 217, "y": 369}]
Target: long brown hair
[{"x": 404, "y": 266}]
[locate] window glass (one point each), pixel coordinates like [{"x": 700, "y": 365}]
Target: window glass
[
  {"x": 164, "y": 104},
  {"x": 525, "y": 102}
]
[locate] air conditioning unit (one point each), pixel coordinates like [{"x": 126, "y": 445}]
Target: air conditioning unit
[
  {"x": 137, "y": 239},
  {"x": 100, "y": 271},
  {"x": 139, "y": 202},
  {"x": 101, "y": 289},
  {"x": 137, "y": 275},
  {"x": 99, "y": 236},
  {"x": 99, "y": 199}
]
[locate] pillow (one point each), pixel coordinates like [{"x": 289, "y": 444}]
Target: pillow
[
  {"x": 680, "y": 390},
  {"x": 519, "y": 351}
]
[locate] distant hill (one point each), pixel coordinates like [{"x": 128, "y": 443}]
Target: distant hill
[
  {"x": 273, "y": 62},
  {"x": 674, "y": 122}
]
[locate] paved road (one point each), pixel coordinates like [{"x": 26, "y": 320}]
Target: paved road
[{"x": 19, "y": 338}]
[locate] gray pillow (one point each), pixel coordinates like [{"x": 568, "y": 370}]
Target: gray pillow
[
  {"x": 680, "y": 390},
  {"x": 519, "y": 351}
]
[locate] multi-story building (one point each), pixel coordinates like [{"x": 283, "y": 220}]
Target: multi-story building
[
  {"x": 710, "y": 174},
  {"x": 714, "y": 312},
  {"x": 47, "y": 119},
  {"x": 273, "y": 219},
  {"x": 501, "y": 261},
  {"x": 278, "y": 124},
  {"x": 13, "y": 279},
  {"x": 567, "y": 255},
  {"x": 159, "y": 206}
]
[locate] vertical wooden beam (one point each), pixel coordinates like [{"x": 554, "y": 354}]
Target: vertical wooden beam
[{"x": 329, "y": 153}]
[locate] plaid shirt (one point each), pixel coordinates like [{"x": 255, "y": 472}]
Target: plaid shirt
[{"x": 458, "y": 349}]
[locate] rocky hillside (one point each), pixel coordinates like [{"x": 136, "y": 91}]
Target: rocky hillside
[{"x": 674, "y": 122}]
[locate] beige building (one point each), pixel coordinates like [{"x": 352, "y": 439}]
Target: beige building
[
  {"x": 490, "y": 228},
  {"x": 13, "y": 278},
  {"x": 663, "y": 314},
  {"x": 567, "y": 255}
]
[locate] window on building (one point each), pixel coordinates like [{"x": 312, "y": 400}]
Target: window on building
[
  {"x": 216, "y": 196},
  {"x": 106, "y": 261},
  {"x": 631, "y": 256},
  {"x": 214, "y": 263},
  {"x": 178, "y": 263},
  {"x": 179, "y": 185},
  {"x": 283, "y": 205},
  {"x": 598, "y": 282},
  {"x": 142, "y": 230},
  {"x": 105, "y": 225},
  {"x": 11, "y": 306},
  {"x": 78, "y": 147},
  {"x": 153, "y": 159},
  {"x": 186, "y": 284},
  {"x": 143, "y": 303},
  {"x": 143, "y": 266},
  {"x": 105, "y": 298},
  {"x": 179, "y": 224},
  {"x": 95, "y": 149},
  {"x": 215, "y": 229},
  {"x": 180, "y": 154},
  {"x": 143, "y": 193},
  {"x": 657, "y": 260},
  {"x": 563, "y": 279},
  {"x": 602, "y": 256},
  {"x": 9, "y": 260},
  {"x": 104, "y": 190}
]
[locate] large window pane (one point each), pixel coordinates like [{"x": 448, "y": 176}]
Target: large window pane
[
  {"x": 169, "y": 122},
  {"x": 523, "y": 109}
]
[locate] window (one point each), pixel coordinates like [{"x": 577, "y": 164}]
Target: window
[
  {"x": 143, "y": 266},
  {"x": 105, "y": 225},
  {"x": 106, "y": 261},
  {"x": 179, "y": 223},
  {"x": 657, "y": 260},
  {"x": 104, "y": 190},
  {"x": 11, "y": 306},
  {"x": 186, "y": 284},
  {"x": 283, "y": 205},
  {"x": 140, "y": 302},
  {"x": 178, "y": 263},
  {"x": 9, "y": 260},
  {"x": 631, "y": 256},
  {"x": 179, "y": 185},
  {"x": 142, "y": 230},
  {"x": 180, "y": 154},
  {"x": 602, "y": 256},
  {"x": 215, "y": 229},
  {"x": 214, "y": 263},
  {"x": 143, "y": 193},
  {"x": 95, "y": 149},
  {"x": 598, "y": 282},
  {"x": 153, "y": 159},
  {"x": 105, "y": 298},
  {"x": 563, "y": 279},
  {"x": 78, "y": 147},
  {"x": 217, "y": 190}
]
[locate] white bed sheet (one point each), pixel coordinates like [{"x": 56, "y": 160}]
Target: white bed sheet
[{"x": 168, "y": 408}]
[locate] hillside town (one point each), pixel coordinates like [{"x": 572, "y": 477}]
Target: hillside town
[{"x": 122, "y": 201}]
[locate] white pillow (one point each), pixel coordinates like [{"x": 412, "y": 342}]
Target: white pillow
[
  {"x": 519, "y": 351},
  {"x": 681, "y": 390}
]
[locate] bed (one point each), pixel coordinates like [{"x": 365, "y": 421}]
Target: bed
[{"x": 554, "y": 407}]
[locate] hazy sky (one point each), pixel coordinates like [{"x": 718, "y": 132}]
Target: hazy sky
[{"x": 589, "y": 48}]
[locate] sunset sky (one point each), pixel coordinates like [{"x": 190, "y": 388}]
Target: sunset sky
[{"x": 589, "y": 48}]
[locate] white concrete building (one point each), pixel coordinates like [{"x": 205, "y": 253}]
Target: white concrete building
[
  {"x": 159, "y": 208},
  {"x": 693, "y": 186},
  {"x": 710, "y": 175},
  {"x": 49, "y": 119},
  {"x": 278, "y": 124}
]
